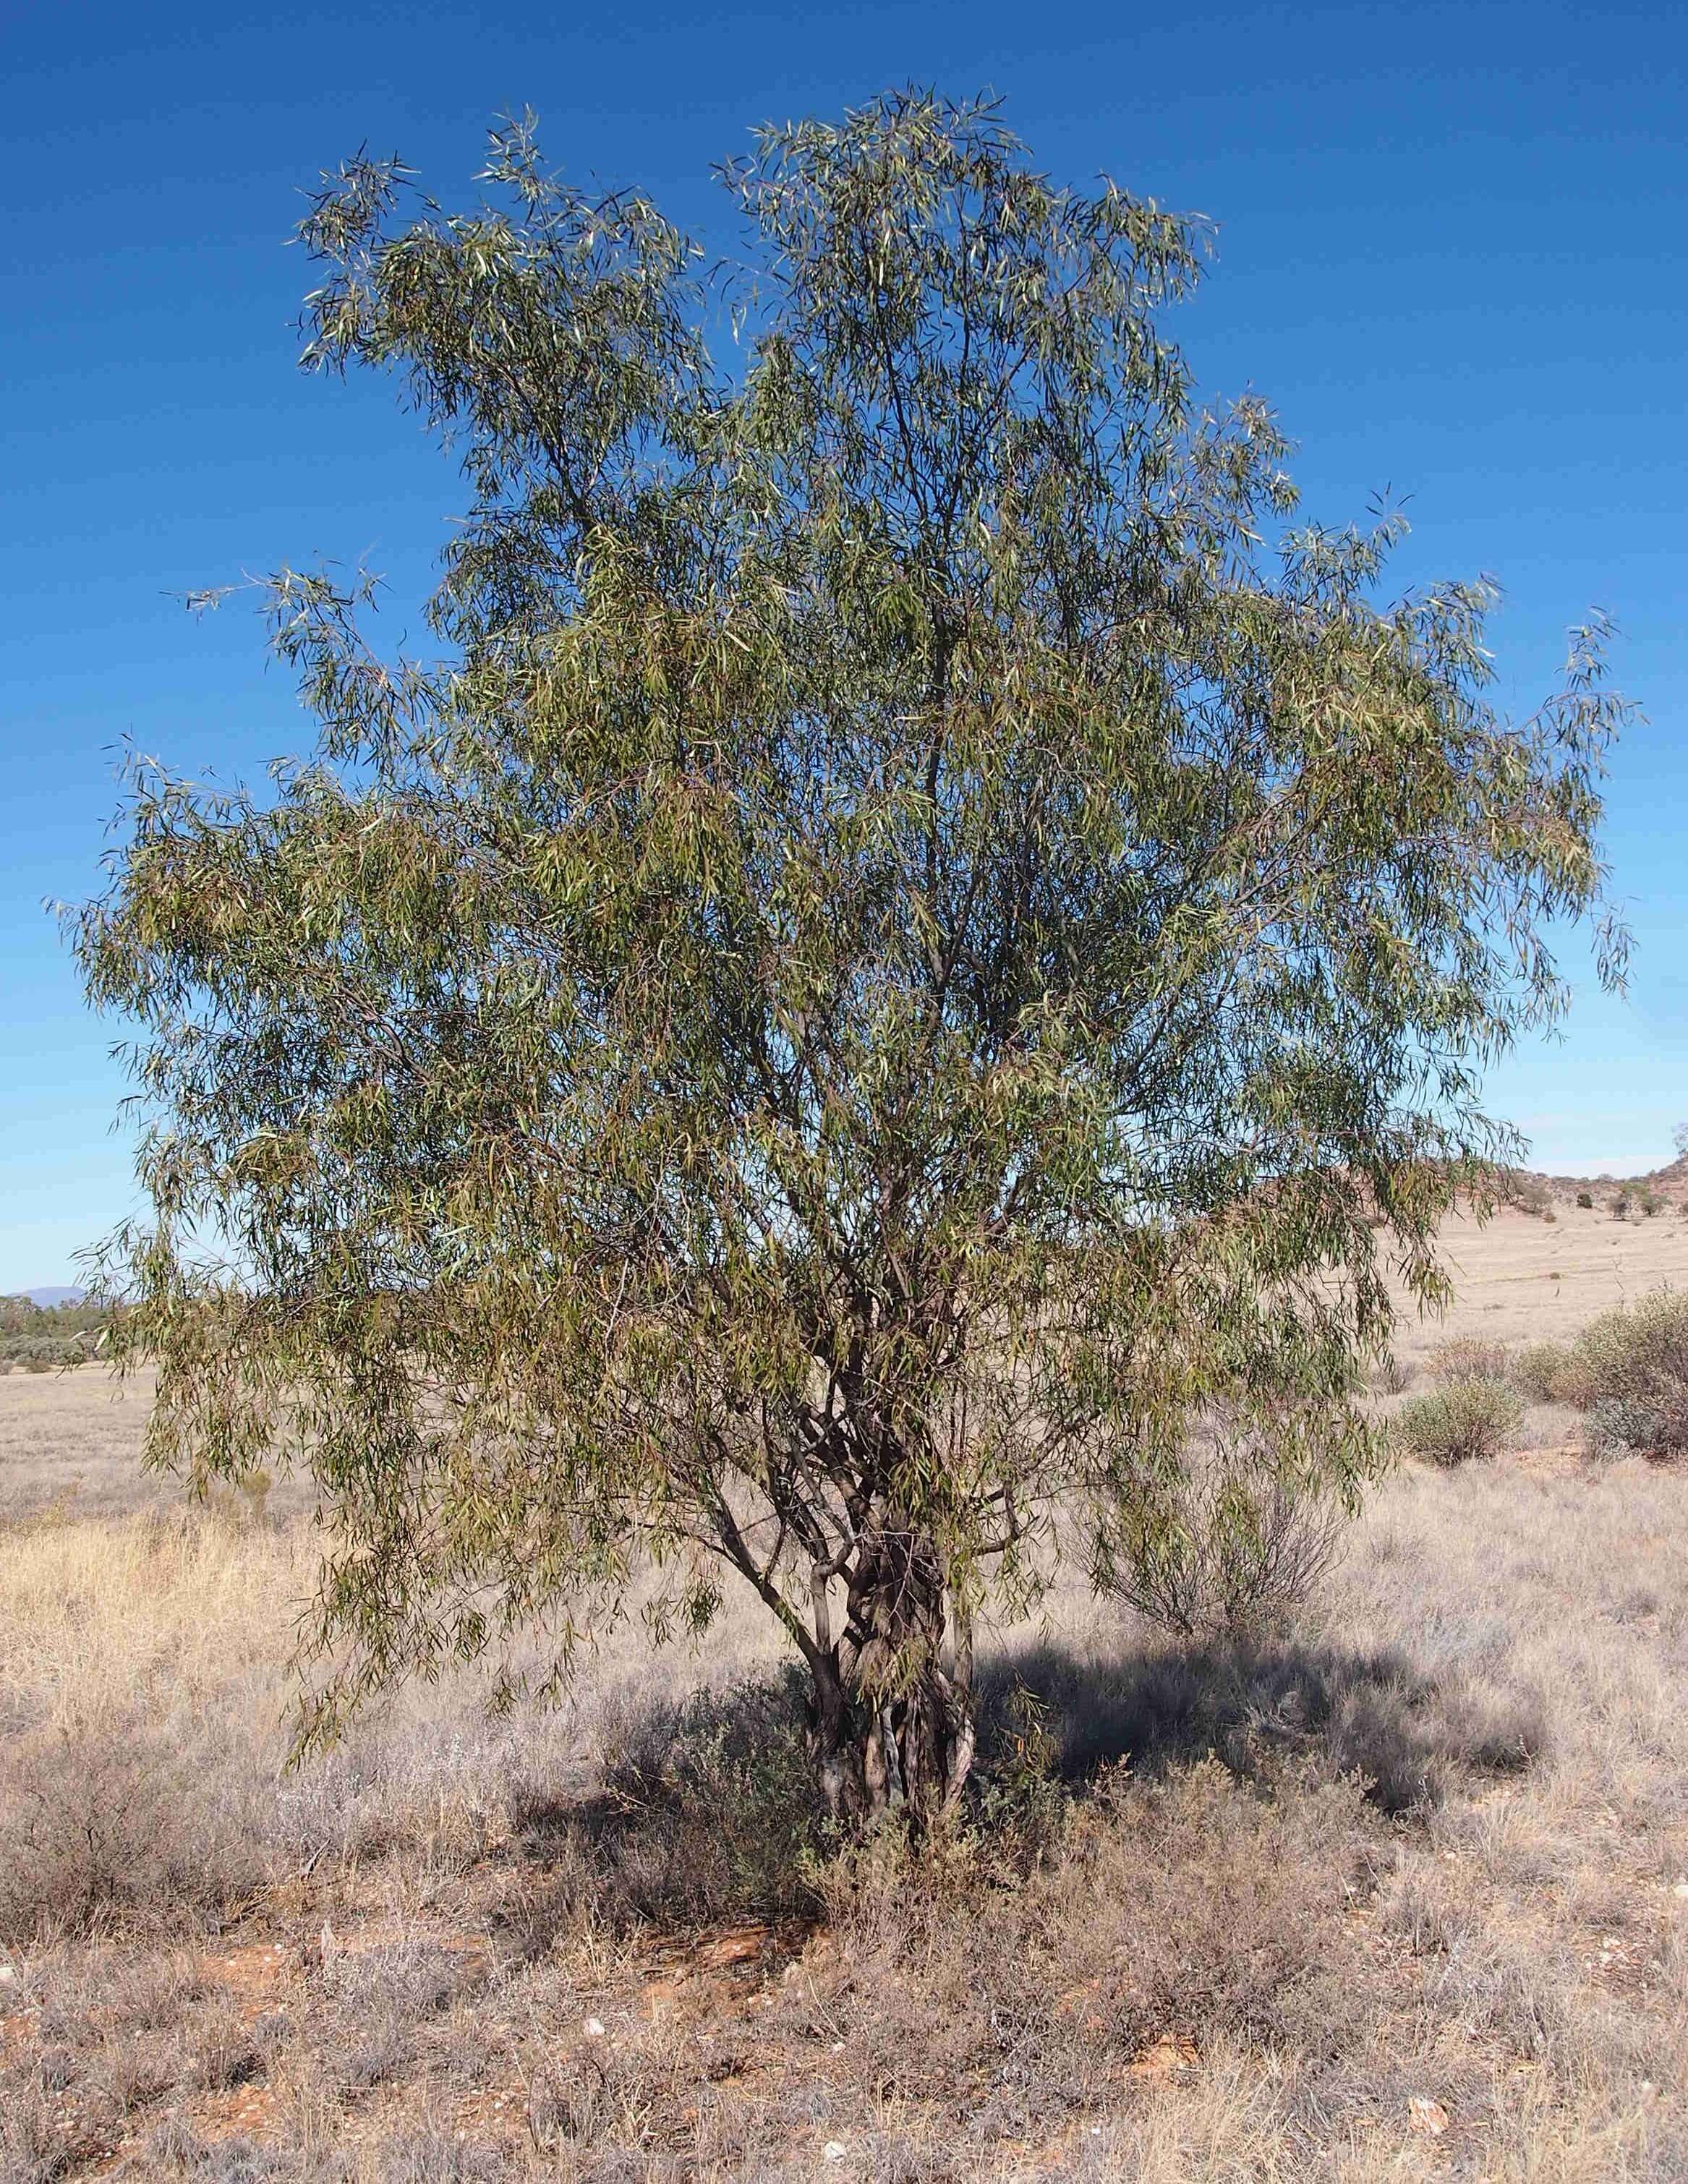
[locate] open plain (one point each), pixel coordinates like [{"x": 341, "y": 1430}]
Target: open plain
[{"x": 1401, "y": 1892}]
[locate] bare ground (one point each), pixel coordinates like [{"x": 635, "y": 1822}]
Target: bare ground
[{"x": 1404, "y": 1895}]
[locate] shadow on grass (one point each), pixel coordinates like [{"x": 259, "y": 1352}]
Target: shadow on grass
[
  {"x": 705, "y": 1811},
  {"x": 1375, "y": 1715}
]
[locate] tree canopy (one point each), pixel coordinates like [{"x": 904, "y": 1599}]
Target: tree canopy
[{"x": 908, "y": 944}]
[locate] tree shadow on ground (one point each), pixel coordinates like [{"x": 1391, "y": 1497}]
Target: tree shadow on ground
[{"x": 1374, "y": 1714}]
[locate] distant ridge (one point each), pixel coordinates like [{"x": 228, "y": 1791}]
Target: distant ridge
[{"x": 48, "y": 1297}]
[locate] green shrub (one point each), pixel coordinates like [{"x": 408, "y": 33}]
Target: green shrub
[
  {"x": 1585, "y": 1199},
  {"x": 1464, "y": 1420},
  {"x": 1630, "y": 1369},
  {"x": 719, "y": 1816},
  {"x": 1649, "y": 1203},
  {"x": 1537, "y": 1371}
]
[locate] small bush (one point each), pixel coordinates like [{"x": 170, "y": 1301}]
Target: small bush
[
  {"x": 1530, "y": 1193},
  {"x": 719, "y": 1816},
  {"x": 1620, "y": 1207},
  {"x": 1467, "y": 1357},
  {"x": 1538, "y": 1372},
  {"x": 106, "y": 1822},
  {"x": 1649, "y": 1203},
  {"x": 1585, "y": 1199},
  {"x": 1463, "y": 1420},
  {"x": 1630, "y": 1369},
  {"x": 1226, "y": 1548}
]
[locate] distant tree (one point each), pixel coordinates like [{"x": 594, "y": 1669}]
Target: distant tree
[{"x": 881, "y": 975}]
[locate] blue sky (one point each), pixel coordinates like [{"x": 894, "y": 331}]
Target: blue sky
[{"x": 1452, "y": 252}]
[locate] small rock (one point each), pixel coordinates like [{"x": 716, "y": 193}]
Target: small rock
[
  {"x": 7, "y": 1975},
  {"x": 833, "y": 2150},
  {"x": 1428, "y": 2116},
  {"x": 594, "y": 2028}
]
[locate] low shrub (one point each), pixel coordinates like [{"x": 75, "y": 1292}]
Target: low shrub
[
  {"x": 1468, "y": 1357},
  {"x": 1228, "y": 1547},
  {"x": 1463, "y": 1420},
  {"x": 1530, "y": 1193},
  {"x": 1538, "y": 1372},
  {"x": 1390, "y": 1376},
  {"x": 107, "y": 1823},
  {"x": 1630, "y": 1369},
  {"x": 713, "y": 1810},
  {"x": 1585, "y": 1199}
]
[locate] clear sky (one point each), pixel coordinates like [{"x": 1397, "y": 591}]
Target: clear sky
[{"x": 1452, "y": 252}]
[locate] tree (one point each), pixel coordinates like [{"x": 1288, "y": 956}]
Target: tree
[{"x": 897, "y": 958}]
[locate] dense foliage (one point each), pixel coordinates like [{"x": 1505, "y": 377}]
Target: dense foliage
[{"x": 902, "y": 951}]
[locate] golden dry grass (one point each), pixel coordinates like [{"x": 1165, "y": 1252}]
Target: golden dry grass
[{"x": 444, "y": 1953}]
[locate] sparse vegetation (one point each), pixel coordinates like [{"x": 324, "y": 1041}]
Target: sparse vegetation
[
  {"x": 1226, "y": 1545},
  {"x": 40, "y": 1338},
  {"x": 1585, "y": 1199},
  {"x": 1530, "y": 1194},
  {"x": 1230, "y": 1895},
  {"x": 1464, "y": 1420}
]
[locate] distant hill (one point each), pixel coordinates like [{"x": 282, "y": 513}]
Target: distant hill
[{"x": 48, "y": 1298}]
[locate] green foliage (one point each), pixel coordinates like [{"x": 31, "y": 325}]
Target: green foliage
[
  {"x": 881, "y": 971},
  {"x": 40, "y": 1337},
  {"x": 1585, "y": 1199},
  {"x": 1225, "y": 1546},
  {"x": 1463, "y": 1420},
  {"x": 1538, "y": 1372},
  {"x": 1630, "y": 1369}
]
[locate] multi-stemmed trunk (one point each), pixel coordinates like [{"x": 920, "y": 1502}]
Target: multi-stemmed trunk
[{"x": 892, "y": 1727}]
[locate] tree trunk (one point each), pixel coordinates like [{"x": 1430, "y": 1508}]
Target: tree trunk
[{"x": 891, "y": 1730}]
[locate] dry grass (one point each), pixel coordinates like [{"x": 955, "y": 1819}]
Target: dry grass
[{"x": 1402, "y": 1894}]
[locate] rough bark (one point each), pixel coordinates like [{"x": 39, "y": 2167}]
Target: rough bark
[{"x": 892, "y": 1727}]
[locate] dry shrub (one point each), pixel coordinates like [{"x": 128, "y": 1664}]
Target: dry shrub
[
  {"x": 106, "y": 1821},
  {"x": 1192, "y": 1908},
  {"x": 1390, "y": 1376},
  {"x": 1468, "y": 1357},
  {"x": 1629, "y": 1369},
  {"x": 1228, "y": 1547},
  {"x": 1530, "y": 1193},
  {"x": 1380, "y": 1718},
  {"x": 1464, "y": 1420},
  {"x": 710, "y": 1810},
  {"x": 383, "y": 1994}
]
